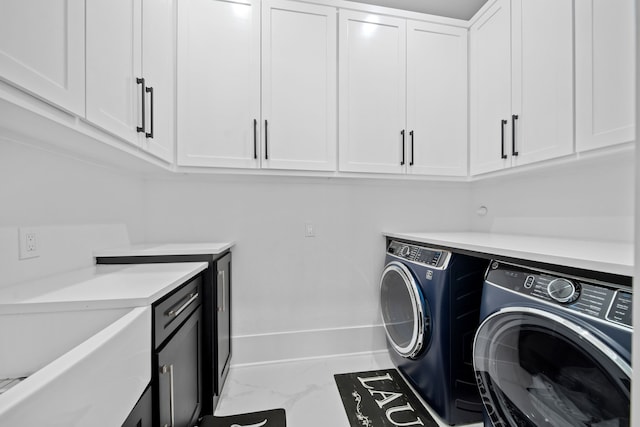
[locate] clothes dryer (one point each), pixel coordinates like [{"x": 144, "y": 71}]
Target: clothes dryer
[
  {"x": 553, "y": 350},
  {"x": 430, "y": 301}
]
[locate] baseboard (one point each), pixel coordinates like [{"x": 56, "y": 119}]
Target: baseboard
[{"x": 284, "y": 346}]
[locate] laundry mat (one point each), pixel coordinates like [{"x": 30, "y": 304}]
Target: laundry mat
[
  {"x": 381, "y": 399},
  {"x": 271, "y": 418}
]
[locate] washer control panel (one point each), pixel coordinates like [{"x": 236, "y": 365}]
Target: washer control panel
[
  {"x": 600, "y": 300},
  {"x": 563, "y": 290},
  {"x": 435, "y": 258},
  {"x": 621, "y": 309}
]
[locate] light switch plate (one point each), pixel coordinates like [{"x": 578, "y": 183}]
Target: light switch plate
[{"x": 309, "y": 230}]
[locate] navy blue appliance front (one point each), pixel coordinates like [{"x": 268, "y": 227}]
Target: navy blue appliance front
[{"x": 430, "y": 300}]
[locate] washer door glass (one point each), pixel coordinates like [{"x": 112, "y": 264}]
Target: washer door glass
[
  {"x": 534, "y": 368},
  {"x": 403, "y": 310}
]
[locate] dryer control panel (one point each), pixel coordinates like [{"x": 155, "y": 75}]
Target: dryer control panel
[
  {"x": 604, "y": 301},
  {"x": 435, "y": 258}
]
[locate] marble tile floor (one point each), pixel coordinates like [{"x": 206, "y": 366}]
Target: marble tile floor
[{"x": 304, "y": 388}]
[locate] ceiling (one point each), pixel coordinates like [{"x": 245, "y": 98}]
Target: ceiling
[{"x": 460, "y": 9}]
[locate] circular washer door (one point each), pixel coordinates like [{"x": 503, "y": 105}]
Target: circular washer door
[
  {"x": 404, "y": 313},
  {"x": 535, "y": 368}
]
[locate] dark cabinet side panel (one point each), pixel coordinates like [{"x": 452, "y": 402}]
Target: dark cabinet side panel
[
  {"x": 142, "y": 413},
  {"x": 223, "y": 324}
]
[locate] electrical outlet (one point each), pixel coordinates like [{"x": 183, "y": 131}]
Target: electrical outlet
[{"x": 28, "y": 243}]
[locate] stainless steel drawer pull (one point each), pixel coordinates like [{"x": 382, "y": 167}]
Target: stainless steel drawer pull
[
  {"x": 172, "y": 407},
  {"x": 224, "y": 300},
  {"x": 192, "y": 297}
]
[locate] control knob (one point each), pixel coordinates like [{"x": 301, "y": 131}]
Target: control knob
[
  {"x": 562, "y": 290},
  {"x": 405, "y": 251}
]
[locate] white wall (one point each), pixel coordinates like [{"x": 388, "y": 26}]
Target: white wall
[
  {"x": 285, "y": 283},
  {"x": 64, "y": 198},
  {"x": 590, "y": 198},
  {"x": 290, "y": 290}
]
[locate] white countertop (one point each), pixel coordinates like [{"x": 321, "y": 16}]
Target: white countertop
[
  {"x": 98, "y": 287},
  {"x": 601, "y": 256},
  {"x": 158, "y": 249}
]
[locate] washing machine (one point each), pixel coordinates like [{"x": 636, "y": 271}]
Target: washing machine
[
  {"x": 430, "y": 301},
  {"x": 552, "y": 349}
]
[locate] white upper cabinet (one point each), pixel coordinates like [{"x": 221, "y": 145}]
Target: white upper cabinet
[
  {"x": 114, "y": 67},
  {"x": 130, "y": 77},
  {"x": 605, "y": 73},
  {"x": 42, "y": 49},
  {"x": 436, "y": 99},
  {"x": 158, "y": 63},
  {"x": 490, "y": 92},
  {"x": 542, "y": 61},
  {"x": 299, "y": 92},
  {"x": 403, "y": 96},
  {"x": 221, "y": 120},
  {"x": 219, "y": 83},
  {"x": 372, "y": 70},
  {"x": 299, "y": 85},
  {"x": 521, "y": 84}
]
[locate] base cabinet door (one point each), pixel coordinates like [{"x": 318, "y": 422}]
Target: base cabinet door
[
  {"x": 605, "y": 73},
  {"x": 179, "y": 383},
  {"x": 42, "y": 48}
]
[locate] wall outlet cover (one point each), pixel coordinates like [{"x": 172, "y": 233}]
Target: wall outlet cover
[{"x": 28, "y": 243}]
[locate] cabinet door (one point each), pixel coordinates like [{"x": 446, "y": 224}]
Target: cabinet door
[
  {"x": 142, "y": 414},
  {"x": 158, "y": 64},
  {"x": 299, "y": 93},
  {"x": 436, "y": 99},
  {"x": 114, "y": 98},
  {"x": 223, "y": 320},
  {"x": 42, "y": 49},
  {"x": 490, "y": 94},
  {"x": 605, "y": 73},
  {"x": 219, "y": 83},
  {"x": 179, "y": 380},
  {"x": 542, "y": 60},
  {"x": 372, "y": 93}
]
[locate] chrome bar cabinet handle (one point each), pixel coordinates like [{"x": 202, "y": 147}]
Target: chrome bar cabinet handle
[
  {"x": 172, "y": 405},
  {"x": 175, "y": 313}
]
